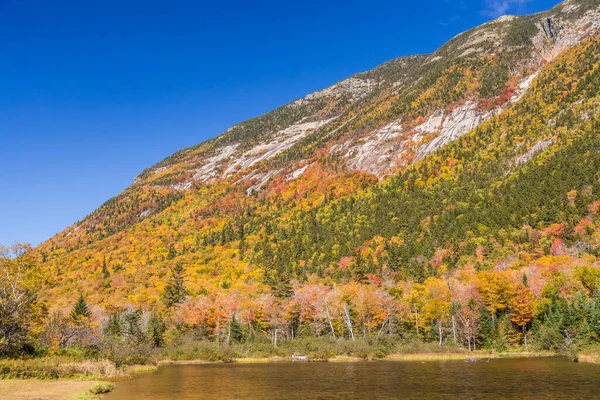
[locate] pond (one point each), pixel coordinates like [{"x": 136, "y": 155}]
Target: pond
[{"x": 511, "y": 378}]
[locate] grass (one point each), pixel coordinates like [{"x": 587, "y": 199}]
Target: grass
[
  {"x": 390, "y": 347},
  {"x": 18, "y": 389},
  {"x": 52, "y": 368},
  {"x": 258, "y": 360},
  {"x": 437, "y": 356},
  {"x": 589, "y": 354},
  {"x": 57, "y": 368}
]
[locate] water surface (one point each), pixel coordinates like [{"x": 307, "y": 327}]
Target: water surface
[{"x": 523, "y": 378}]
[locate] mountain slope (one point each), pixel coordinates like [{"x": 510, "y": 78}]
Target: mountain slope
[{"x": 422, "y": 167}]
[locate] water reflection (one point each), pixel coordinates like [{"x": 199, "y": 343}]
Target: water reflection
[{"x": 541, "y": 378}]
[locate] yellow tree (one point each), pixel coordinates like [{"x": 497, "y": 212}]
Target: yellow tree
[
  {"x": 416, "y": 299},
  {"x": 495, "y": 290},
  {"x": 522, "y": 305},
  {"x": 21, "y": 314},
  {"x": 437, "y": 303}
]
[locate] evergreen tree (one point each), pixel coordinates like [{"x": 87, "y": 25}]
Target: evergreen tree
[
  {"x": 114, "y": 326},
  {"x": 236, "y": 333},
  {"x": 156, "y": 329},
  {"x": 172, "y": 253},
  {"x": 80, "y": 312},
  {"x": 132, "y": 321},
  {"x": 105, "y": 271},
  {"x": 488, "y": 329},
  {"x": 175, "y": 290}
]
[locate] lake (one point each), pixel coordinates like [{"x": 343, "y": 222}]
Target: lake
[{"x": 514, "y": 378}]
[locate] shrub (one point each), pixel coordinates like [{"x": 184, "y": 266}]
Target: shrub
[{"x": 102, "y": 387}]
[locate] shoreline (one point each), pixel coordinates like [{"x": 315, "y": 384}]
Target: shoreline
[{"x": 478, "y": 355}]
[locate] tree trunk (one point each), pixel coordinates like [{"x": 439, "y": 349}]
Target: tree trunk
[
  {"x": 454, "y": 329},
  {"x": 329, "y": 320},
  {"x": 348, "y": 321},
  {"x": 440, "y": 332},
  {"x": 383, "y": 326},
  {"x": 417, "y": 322},
  {"x": 229, "y": 331}
]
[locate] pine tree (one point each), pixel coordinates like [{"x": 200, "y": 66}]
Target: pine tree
[
  {"x": 113, "y": 326},
  {"x": 132, "y": 322},
  {"x": 105, "y": 271},
  {"x": 156, "y": 329},
  {"x": 172, "y": 252},
  {"x": 80, "y": 312},
  {"x": 236, "y": 333},
  {"x": 488, "y": 329},
  {"x": 175, "y": 290}
]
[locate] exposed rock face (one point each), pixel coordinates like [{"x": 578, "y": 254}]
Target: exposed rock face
[
  {"x": 297, "y": 173},
  {"x": 284, "y": 139},
  {"x": 376, "y": 152},
  {"x": 539, "y": 146},
  {"x": 354, "y": 87},
  {"x": 228, "y": 161},
  {"x": 522, "y": 87},
  {"x": 259, "y": 180},
  {"x": 210, "y": 170},
  {"x": 461, "y": 120},
  {"x": 433, "y": 123},
  {"x": 558, "y": 32}
]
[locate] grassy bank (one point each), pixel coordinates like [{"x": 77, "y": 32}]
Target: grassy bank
[
  {"x": 329, "y": 349},
  {"x": 51, "y": 368},
  {"x": 71, "y": 389},
  {"x": 589, "y": 354},
  {"x": 437, "y": 356},
  {"x": 321, "y": 348},
  {"x": 51, "y": 378}
]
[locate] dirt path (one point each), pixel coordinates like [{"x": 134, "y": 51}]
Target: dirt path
[{"x": 31, "y": 389}]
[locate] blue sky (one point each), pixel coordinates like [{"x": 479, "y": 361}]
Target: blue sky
[{"x": 93, "y": 92}]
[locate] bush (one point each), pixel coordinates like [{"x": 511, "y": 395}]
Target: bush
[
  {"x": 190, "y": 349},
  {"x": 102, "y": 388},
  {"x": 124, "y": 352}
]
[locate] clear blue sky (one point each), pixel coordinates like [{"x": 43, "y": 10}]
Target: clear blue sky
[{"x": 92, "y": 92}]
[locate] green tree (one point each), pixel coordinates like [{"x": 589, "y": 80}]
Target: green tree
[
  {"x": 105, "y": 271},
  {"x": 81, "y": 312},
  {"x": 114, "y": 326},
  {"x": 175, "y": 291},
  {"x": 156, "y": 329},
  {"x": 132, "y": 321}
]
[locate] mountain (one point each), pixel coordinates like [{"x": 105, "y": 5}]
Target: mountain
[{"x": 482, "y": 156}]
